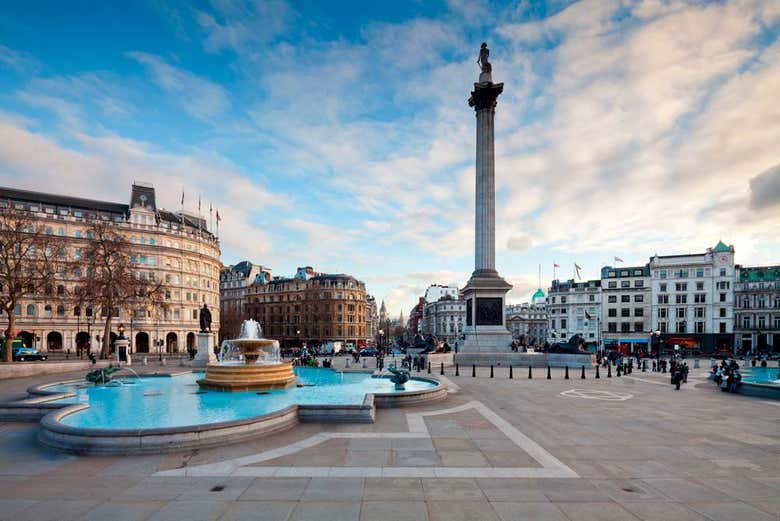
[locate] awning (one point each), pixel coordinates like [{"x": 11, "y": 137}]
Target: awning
[{"x": 633, "y": 340}]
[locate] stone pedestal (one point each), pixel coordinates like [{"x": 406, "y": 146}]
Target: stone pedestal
[
  {"x": 205, "y": 354},
  {"x": 485, "y": 328}
]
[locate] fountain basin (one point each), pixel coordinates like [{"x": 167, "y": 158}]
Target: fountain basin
[{"x": 253, "y": 377}]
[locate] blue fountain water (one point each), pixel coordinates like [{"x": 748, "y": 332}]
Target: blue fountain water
[
  {"x": 178, "y": 401},
  {"x": 761, "y": 375}
]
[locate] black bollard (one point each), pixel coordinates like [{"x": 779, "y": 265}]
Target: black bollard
[
  {"x": 457, "y": 370},
  {"x": 510, "y": 372},
  {"x": 473, "y": 371},
  {"x": 566, "y": 376},
  {"x": 609, "y": 371},
  {"x": 491, "y": 371},
  {"x": 549, "y": 376},
  {"x": 582, "y": 376},
  {"x": 644, "y": 366},
  {"x": 618, "y": 370},
  {"x": 597, "y": 373},
  {"x": 530, "y": 375},
  {"x": 442, "y": 369},
  {"x": 429, "y": 367}
]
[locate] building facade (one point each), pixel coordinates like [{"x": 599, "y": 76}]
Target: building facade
[
  {"x": 233, "y": 283},
  {"x": 574, "y": 308},
  {"x": 172, "y": 247},
  {"x": 528, "y": 322},
  {"x": 372, "y": 318},
  {"x": 312, "y": 308},
  {"x": 757, "y": 309},
  {"x": 444, "y": 319},
  {"x": 693, "y": 299},
  {"x": 438, "y": 291},
  {"x": 626, "y": 308}
]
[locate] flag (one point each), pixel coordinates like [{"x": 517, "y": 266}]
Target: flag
[
  {"x": 587, "y": 315},
  {"x": 182, "y": 197},
  {"x": 618, "y": 259},
  {"x": 198, "y": 204},
  {"x": 218, "y": 217},
  {"x": 556, "y": 265},
  {"x": 577, "y": 268}
]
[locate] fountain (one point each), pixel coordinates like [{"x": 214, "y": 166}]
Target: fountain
[{"x": 248, "y": 363}]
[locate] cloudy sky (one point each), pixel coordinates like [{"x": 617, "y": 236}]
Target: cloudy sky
[{"x": 337, "y": 134}]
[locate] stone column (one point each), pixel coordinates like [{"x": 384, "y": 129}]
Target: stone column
[{"x": 483, "y": 99}]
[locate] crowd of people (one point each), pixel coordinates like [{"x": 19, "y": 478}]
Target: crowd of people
[{"x": 726, "y": 375}]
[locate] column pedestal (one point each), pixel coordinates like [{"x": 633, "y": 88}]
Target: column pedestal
[
  {"x": 205, "y": 354},
  {"x": 485, "y": 328}
]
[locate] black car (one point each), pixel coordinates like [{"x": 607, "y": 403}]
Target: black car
[{"x": 28, "y": 354}]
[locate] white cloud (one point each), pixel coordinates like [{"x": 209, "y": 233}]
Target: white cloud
[{"x": 201, "y": 98}]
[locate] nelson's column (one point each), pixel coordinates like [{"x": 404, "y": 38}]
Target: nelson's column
[{"x": 485, "y": 291}]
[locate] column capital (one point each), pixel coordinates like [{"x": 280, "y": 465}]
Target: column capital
[{"x": 485, "y": 95}]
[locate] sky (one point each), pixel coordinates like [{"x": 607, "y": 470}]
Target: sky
[{"x": 338, "y": 134}]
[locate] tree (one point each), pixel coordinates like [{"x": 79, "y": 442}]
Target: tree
[
  {"x": 112, "y": 280},
  {"x": 230, "y": 320},
  {"x": 30, "y": 261}
]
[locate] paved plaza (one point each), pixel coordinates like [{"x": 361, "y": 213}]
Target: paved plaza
[{"x": 628, "y": 448}]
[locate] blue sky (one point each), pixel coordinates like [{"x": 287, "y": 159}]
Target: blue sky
[{"x": 337, "y": 134}]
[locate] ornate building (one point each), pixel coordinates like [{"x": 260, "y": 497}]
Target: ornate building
[
  {"x": 233, "y": 283},
  {"x": 757, "y": 309},
  {"x": 573, "y": 308},
  {"x": 172, "y": 247},
  {"x": 528, "y": 322},
  {"x": 311, "y": 308},
  {"x": 625, "y": 308},
  {"x": 444, "y": 319}
]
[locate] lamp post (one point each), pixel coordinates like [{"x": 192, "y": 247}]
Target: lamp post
[{"x": 121, "y": 329}]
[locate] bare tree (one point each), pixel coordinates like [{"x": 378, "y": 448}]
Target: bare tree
[
  {"x": 230, "y": 323},
  {"x": 112, "y": 281},
  {"x": 30, "y": 261}
]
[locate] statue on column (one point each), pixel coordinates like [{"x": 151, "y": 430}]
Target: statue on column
[
  {"x": 484, "y": 64},
  {"x": 205, "y": 319}
]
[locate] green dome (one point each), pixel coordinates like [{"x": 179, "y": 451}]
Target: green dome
[{"x": 539, "y": 294}]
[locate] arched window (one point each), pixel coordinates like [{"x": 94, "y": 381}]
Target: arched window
[
  {"x": 61, "y": 232},
  {"x": 77, "y": 273},
  {"x": 60, "y": 290},
  {"x": 60, "y": 310},
  {"x": 78, "y": 234},
  {"x": 47, "y": 311},
  {"x": 151, "y": 241},
  {"x": 49, "y": 230},
  {"x": 89, "y": 235},
  {"x": 30, "y": 310}
]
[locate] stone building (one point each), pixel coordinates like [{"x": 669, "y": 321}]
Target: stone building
[
  {"x": 173, "y": 247},
  {"x": 528, "y": 322},
  {"x": 574, "y": 308},
  {"x": 233, "y": 282},
  {"x": 757, "y": 309},
  {"x": 434, "y": 292},
  {"x": 625, "y": 308},
  {"x": 372, "y": 318},
  {"x": 444, "y": 319},
  {"x": 311, "y": 308},
  {"x": 693, "y": 299}
]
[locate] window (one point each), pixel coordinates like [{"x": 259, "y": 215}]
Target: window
[
  {"x": 746, "y": 322},
  {"x": 663, "y": 299},
  {"x": 680, "y": 312},
  {"x": 662, "y": 288},
  {"x": 699, "y": 327},
  {"x": 681, "y": 327},
  {"x": 592, "y": 298},
  {"x": 563, "y": 323},
  {"x": 699, "y": 286},
  {"x": 700, "y": 298},
  {"x": 47, "y": 311},
  {"x": 722, "y": 327},
  {"x": 699, "y": 273},
  {"x": 612, "y": 299},
  {"x": 662, "y": 274},
  {"x": 723, "y": 297},
  {"x": 723, "y": 272},
  {"x": 625, "y": 298},
  {"x": 60, "y": 310},
  {"x": 612, "y": 327},
  {"x": 612, "y": 284},
  {"x": 663, "y": 327},
  {"x": 762, "y": 322},
  {"x": 639, "y": 312},
  {"x": 612, "y": 312},
  {"x": 639, "y": 284},
  {"x": 681, "y": 286},
  {"x": 625, "y": 327},
  {"x": 639, "y": 298},
  {"x": 681, "y": 299},
  {"x": 625, "y": 283},
  {"x": 30, "y": 310},
  {"x": 723, "y": 285},
  {"x": 722, "y": 312},
  {"x": 625, "y": 312},
  {"x": 662, "y": 312},
  {"x": 639, "y": 327},
  {"x": 698, "y": 312}
]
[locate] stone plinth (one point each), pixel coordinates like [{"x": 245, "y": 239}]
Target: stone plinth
[
  {"x": 253, "y": 377},
  {"x": 205, "y": 354}
]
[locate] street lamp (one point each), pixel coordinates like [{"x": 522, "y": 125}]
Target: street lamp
[{"x": 121, "y": 329}]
